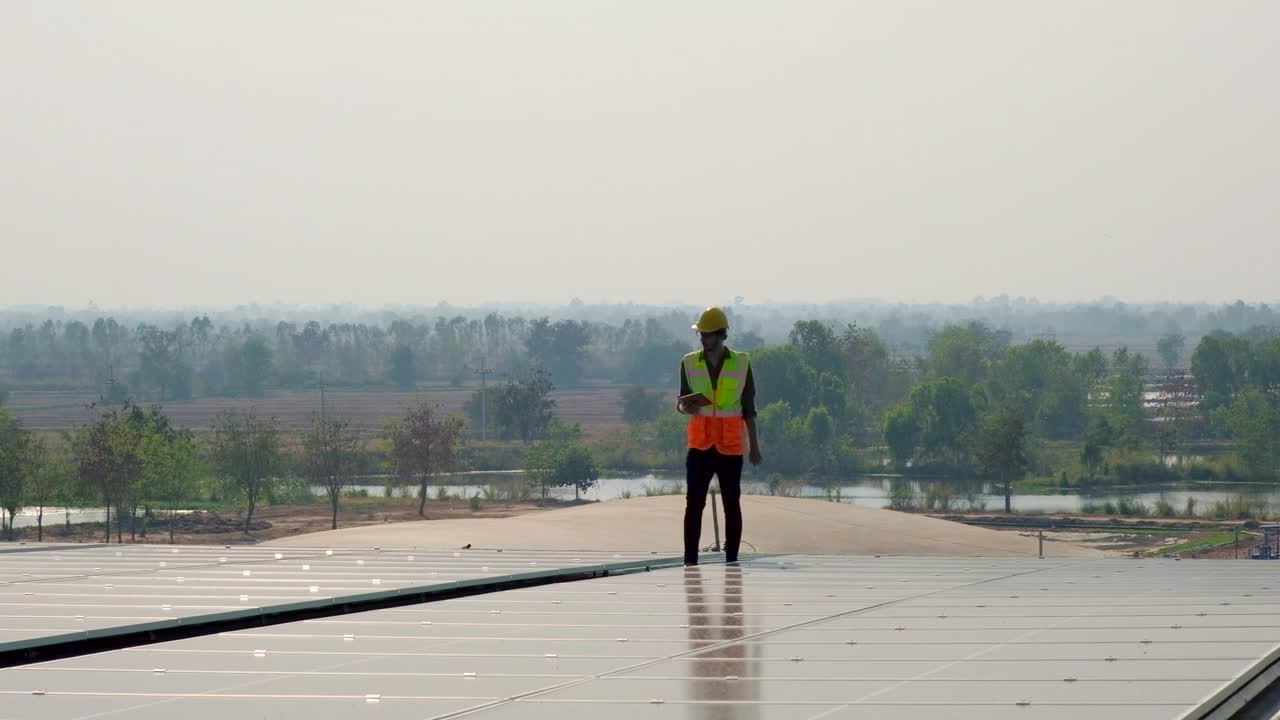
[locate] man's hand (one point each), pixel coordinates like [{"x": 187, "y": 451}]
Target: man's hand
[
  {"x": 755, "y": 457},
  {"x": 689, "y": 404}
]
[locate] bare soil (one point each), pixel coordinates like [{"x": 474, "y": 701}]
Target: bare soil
[{"x": 278, "y": 521}]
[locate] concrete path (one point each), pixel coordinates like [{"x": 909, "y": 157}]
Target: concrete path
[{"x": 772, "y": 525}]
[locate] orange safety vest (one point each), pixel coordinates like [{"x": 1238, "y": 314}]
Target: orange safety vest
[{"x": 720, "y": 424}]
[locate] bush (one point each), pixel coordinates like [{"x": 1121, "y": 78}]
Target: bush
[
  {"x": 1238, "y": 507},
  {"x": 785, "y": 487},
  {"x": 1163, "y": 508},
  {"x": 513, "y": 490},
  {"x": 474, "y": 503},
  {"x": 1225, "y": 467},
  {"x": 1137, "y": 467},
  {"x": 1131, "y": 507},
  {"x": 976, "y": 502},
  {"x": 902, "y": 498},
  {"x": 1190, "y": 510},
  {"x": 291, "y": 491},
  {"x": 938, "y": 497},
  {"x": 493, "y": 455},
  {"x": 356, "y": 493},
  {"x": 663, "y": 489}
]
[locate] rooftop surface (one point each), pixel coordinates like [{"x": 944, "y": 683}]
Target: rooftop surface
[{"x": 802, "y": 636}]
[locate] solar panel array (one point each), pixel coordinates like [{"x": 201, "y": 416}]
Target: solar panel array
[
  {"x": 791, "y": 637},
  {"x": 68, "y": 593}
]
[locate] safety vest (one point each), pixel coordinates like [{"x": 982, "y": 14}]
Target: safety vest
[{"x": 719, "y": 424}]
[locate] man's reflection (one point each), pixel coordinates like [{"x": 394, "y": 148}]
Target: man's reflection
[{"x": 726, "y": 672}]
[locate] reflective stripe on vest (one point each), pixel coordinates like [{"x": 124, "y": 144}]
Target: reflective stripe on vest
[{"x": 719, "y": 424}]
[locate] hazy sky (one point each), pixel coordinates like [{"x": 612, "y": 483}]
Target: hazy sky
[{"x": 222, "y": 152}]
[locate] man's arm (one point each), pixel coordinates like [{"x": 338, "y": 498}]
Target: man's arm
[
  {"x": 684, "y": 390},
  {"x": 756, "y": 457},
  {"x": 749, "y": 416}
]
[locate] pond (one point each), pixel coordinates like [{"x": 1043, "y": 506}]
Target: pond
[{"x": 876, "y": 491}]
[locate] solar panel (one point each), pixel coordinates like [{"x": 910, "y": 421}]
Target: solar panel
[
  {"x": 68, "y": 594},
  {"x": 791, "y": 637}
]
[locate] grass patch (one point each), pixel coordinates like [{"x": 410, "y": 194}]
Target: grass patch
[{"x": 1214, "y": 540}]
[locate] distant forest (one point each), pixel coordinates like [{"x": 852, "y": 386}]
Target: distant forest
[
  {"x": 1029, "y": 396},
  {"x": 246, "y": 352}
]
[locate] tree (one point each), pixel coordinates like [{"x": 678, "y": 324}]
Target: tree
[
  {"x": 1253, "y": 421},
  {"x": 49, "y": 481},
  {"x": 1002, "y": 448},
  {"x": 525, "y": 408},
  {"x": 403, "y": 371},
  {"x": 866, "y": 362},
  {"x": 331, "y": 457},
  {"x": 652, "y": 356},
  {"x": 1091, "y": 369},
  {"x": 1097, "y": 436},
  {"x": 246, "y": 451},
  {"x": 671, "y": 432},
  {"x": 965, "y": 351},
  {"x": 179, "y": 463},
  {"x": 1040, "y": 377},
  {"x": 424, "y": 442},
  {"x": 783, "y": 433},
  {"x": 148, "y": 437},
  {"x": 902, "y": 434},
  {"x": 559, "y": 348},
  {"x": 948, "y": 413},
  {"x": 97, "y": 462},
  {"x": 562, "y": 460},
  {"x": 1126, "y": 401},
  {"x": 1170, "y": 348},
  {"x": 640, "y": 407},
  {"x": 817, "y": 344},
  {"x": 161, "y": 363},
  {"x": 16, "y": 456},
  {"x": 826, "y": 454},
  {"x": 1221, "y": 366},
  {"x": 255, "y": 366},
  {"x": 482, "y": 409},
  {"x": 110, "y": 456},
  {"x": 783, "y": 374}
]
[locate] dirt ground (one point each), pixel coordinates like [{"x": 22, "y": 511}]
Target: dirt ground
[
  {"x": 1145, "y": 537},
  {"x": 294, "y": 522},
  {"x": 771, "y": 525},
  {"x": 280, "y": 521}
]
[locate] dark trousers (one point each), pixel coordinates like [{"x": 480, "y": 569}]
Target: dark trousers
[{"x": 700, "y": 467}]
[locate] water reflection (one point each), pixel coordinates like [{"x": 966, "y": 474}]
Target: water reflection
[{"x": 726, "y": 673}]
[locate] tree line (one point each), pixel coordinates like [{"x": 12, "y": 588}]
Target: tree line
[
  {"x": 196, "y": 358},
  {"x": 830, "y": 400},
  {"x": 157, "y": 358},
  {"x": 975, "y": 404}
]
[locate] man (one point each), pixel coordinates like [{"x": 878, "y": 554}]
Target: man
[{"x": 718, "y": 391}]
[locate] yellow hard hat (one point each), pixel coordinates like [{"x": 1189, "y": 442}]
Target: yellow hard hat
[{"x": 711, "y": 320}]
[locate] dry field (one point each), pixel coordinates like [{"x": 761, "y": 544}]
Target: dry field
[{"x": 595, "y": 407}]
